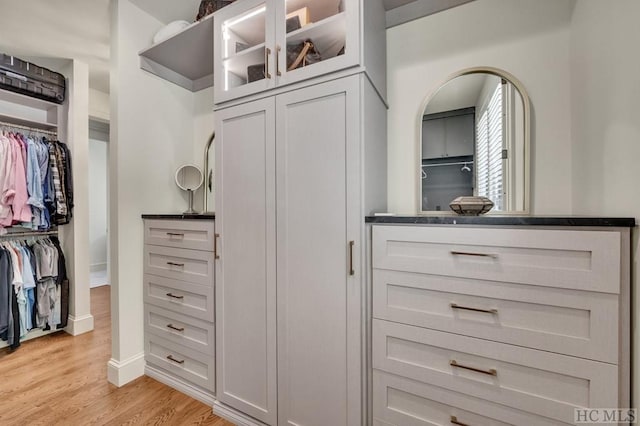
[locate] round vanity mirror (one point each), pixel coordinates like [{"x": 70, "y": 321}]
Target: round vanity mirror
[
  {"x": 189, "y": 178},
  {"x": 475, "y": 142}
]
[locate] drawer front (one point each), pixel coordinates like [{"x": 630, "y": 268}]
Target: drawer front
[
  {"x": 185, "y": 298},
  {"x": 399, "y": 401},
  {"x": 582, "y": 260},
  {"x": 191, "y": 365},
  {"x": 578, "y": 323},
  {"x": 187, "y": 234},
  {"x": 180, "y": 329},
  {"x": 184, "y": 265},
  {"x": 530, "y": 380}
]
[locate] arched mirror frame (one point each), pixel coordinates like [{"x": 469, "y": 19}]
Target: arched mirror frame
[
  {"x": 208, "y": 175},
  {"x": 527, "y": 137}
]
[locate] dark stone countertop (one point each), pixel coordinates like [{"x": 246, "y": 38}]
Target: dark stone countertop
[
  {"x": 505, "y": 220},
  {"x": 201, "y": 216}
]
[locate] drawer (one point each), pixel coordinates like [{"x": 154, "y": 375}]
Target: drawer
[
  {"x": 195, "y": 300},
  {"x": 180, "y": 329},
  {"x": 526, "y": 379},
  {"x": 578, "y": 323},
  {"x": 191, "y": 365},
  {"x": 187, "y": 234},
  {"x": 581, "y": 260},
  {"x": 180, "y": 264},
  {"x": 399, "y": 401}
]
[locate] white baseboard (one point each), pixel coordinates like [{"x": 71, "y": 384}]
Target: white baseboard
[
  {"x": 95, "y": 267},
  {"x": 179, "y": 385},
  {"x": 79, "y": 325},
  {"x": 120, "y": 373},
  {"x": 234, "y": 416}
]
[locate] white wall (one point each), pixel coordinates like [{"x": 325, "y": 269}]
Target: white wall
[
  {"x": 152, "y": 134},
  {"x": 98, "y": 202},
  {"x": 529, "y": 39},
  {"x": 605, "y": 89},
  {"x": 99, "y": 105}
]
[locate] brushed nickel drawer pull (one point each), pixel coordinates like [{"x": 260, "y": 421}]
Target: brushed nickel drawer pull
[
  {"x": 215, "y": 246},
  {"x": 351, "y": 270},
  {"x": 491, "y": 372},
  {"x": 177, "y": 361},
  {"x": 467, "y": 308},
  {"x": 181, "y": 265},
  {"x": 174, "y": 296},
  {"x": 175, "y": 234},
  {"x": 470, "y": 253},
  {"x": 454, "y": 420},
  {"x": 173, "y": 327}
]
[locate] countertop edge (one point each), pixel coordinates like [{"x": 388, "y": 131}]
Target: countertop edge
[
  {"x": 619, "y": 222},
  {"x": 180, "y": 216}
]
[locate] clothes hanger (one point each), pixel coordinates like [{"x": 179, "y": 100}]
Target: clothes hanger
[{"x": 465, "y": 168}]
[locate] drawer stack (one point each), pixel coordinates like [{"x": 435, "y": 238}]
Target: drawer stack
[
  {"x": 498, "y": 325},
  {"x": 179, "y": 304}
]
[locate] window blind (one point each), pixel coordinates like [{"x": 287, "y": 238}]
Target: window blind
[{"x": 489, "y": 150}]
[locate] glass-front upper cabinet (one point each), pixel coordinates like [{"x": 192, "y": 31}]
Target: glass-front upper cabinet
[
  {"x": 263, "y": 44},
  {"x": 244, "y": 36}
]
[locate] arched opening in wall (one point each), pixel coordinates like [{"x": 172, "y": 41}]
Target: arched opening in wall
[{"x": 98, "y": 202}]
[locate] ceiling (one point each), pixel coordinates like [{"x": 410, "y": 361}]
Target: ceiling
[
  {"x": 80, "y": 29},
  {"x": 59, "y": 29}
]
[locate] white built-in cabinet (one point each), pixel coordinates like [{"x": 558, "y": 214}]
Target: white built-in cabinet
[
  {"x": 289, "y": 294},
  {"x": 293, "y": 153},
  {"x": 178, "y": 286},
  {"x": 498, "y": 325},
  {"x": 254, "y": 32}
]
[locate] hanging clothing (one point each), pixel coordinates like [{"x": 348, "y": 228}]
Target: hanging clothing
[
  {"x": 34, "y": 288},
  {"x": 36, "y": 182}
]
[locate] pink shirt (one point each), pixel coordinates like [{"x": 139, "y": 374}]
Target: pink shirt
[
  {"x": 7, "y": 180},
  {"x": 21, "y": 209}
]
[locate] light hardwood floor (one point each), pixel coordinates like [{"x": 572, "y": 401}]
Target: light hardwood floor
[{"x": 62, "y": 380}]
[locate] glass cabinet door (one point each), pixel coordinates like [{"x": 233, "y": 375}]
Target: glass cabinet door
[
  {"x": 315, "y": 37},
  {"x": 243, "y": 49}
]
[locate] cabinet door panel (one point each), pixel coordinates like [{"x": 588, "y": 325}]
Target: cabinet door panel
[
  {"x": 317, "y": 136},
  {"x": 460, "y": 131},
  {"x": 243, "y": 38},
  {"x": 433, "y": 139},
  {"x": 245, "y": 271}
]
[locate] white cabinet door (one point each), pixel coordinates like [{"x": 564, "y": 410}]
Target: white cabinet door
[
  {"x": 332, "y": 26},
  {"x": 319, "y": 280},
  {"x": 245, "y": 271},
  {"x": 243, "y": 38}
]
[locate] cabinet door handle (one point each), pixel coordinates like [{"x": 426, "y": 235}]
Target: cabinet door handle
[
  {"x": 470, "y": 253},
  {"x": 267, "y": 53},
  {"x": 467, "y": 308},
  {"x": 278, "y": 72},
  {"x": 177, "y": 361},
  {"x": 175, "y": 234},
  {"x": 454, "y": 420},
  {"x": 173, "y": 327},
  {"x": 215, "y": 246},
  {"x": 351, "y": 270},
  {"x": 173, "y": 296},
  {"x": 181, "y": 265},
  {"x": 491, "y": 372}
]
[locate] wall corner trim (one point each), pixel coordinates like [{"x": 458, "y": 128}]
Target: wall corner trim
[{"x": 120, "y": 373}]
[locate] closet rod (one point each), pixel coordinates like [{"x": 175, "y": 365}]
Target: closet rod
[
  {"x": 448, "y": 164},
  {"x": 31, "y": 129},
  {"x": 19, "y": 235}
]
